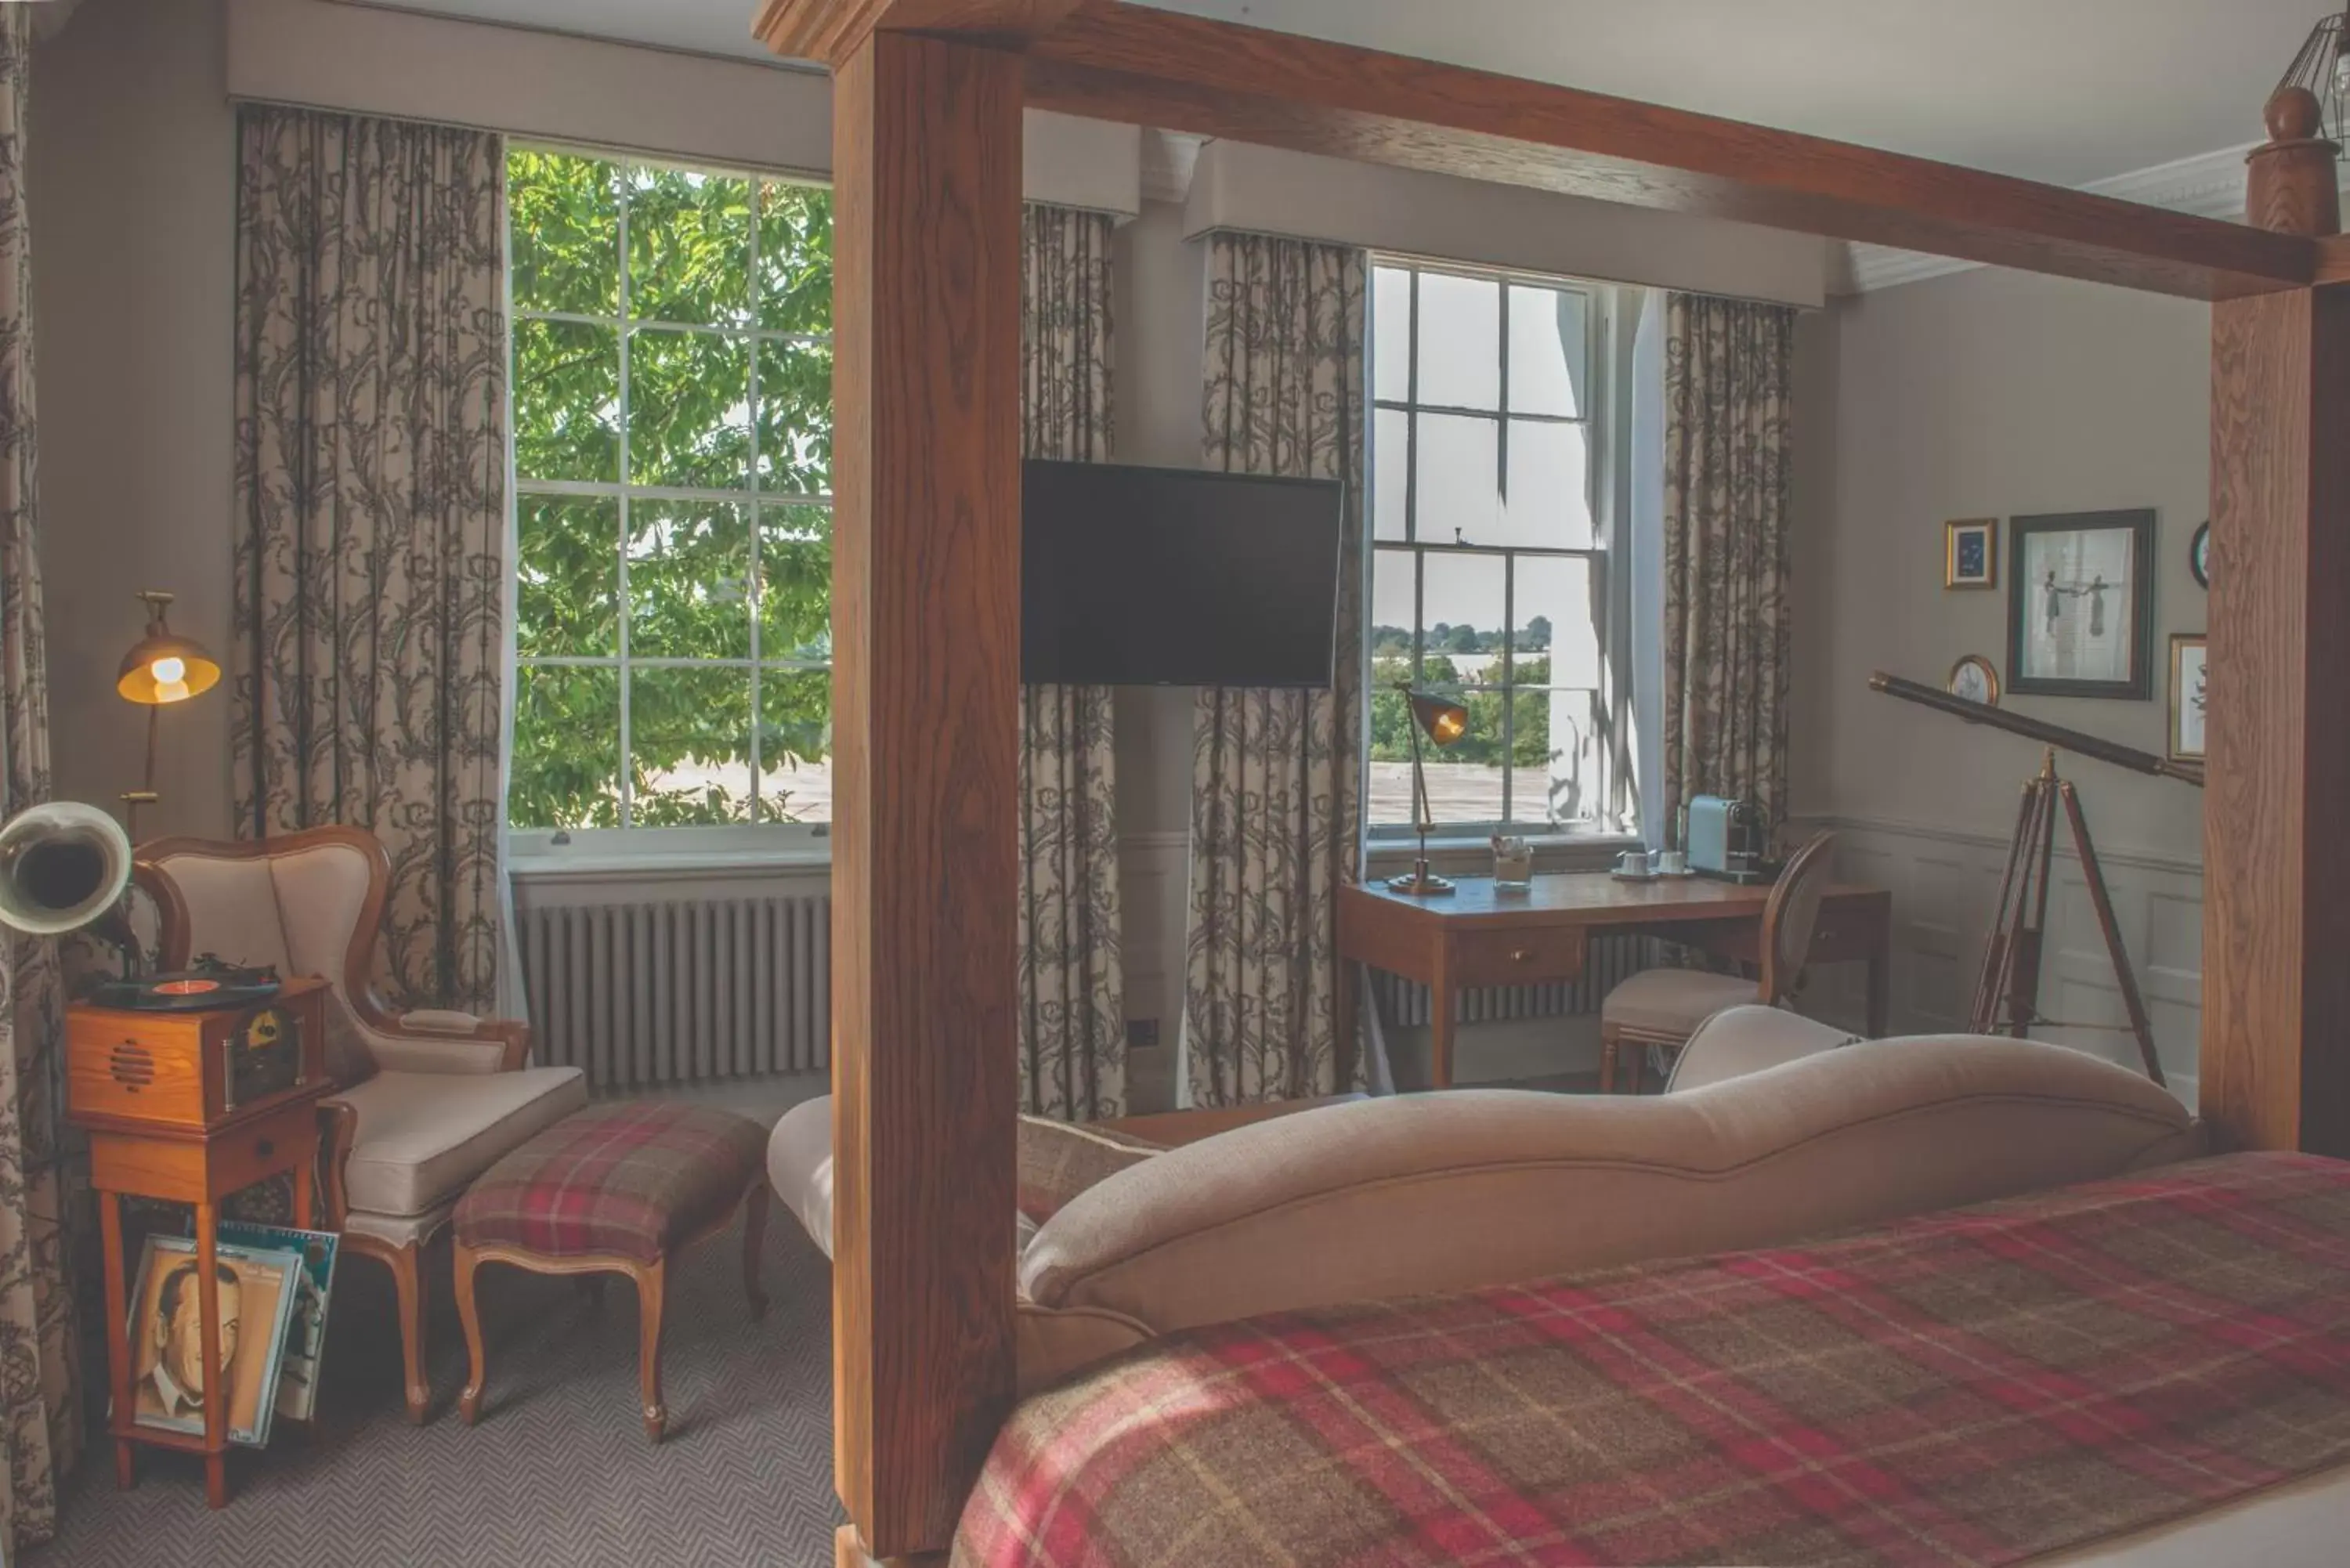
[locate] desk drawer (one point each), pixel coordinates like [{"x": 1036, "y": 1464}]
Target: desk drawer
[{"x": 1518, "y": 957}]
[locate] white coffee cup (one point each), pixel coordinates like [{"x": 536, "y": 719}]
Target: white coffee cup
[
  {"x": 1634, "y": 863},
  {"x": 1672, "y": 862}
]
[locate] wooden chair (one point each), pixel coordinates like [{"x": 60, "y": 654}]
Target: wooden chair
[
  {"x": 430, "y": 1099},
  {"x": 1666, "y": 1006}
]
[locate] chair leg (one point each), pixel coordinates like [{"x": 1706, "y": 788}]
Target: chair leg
[
  {"x": 1609, "y": 1042},
  {"x": 464, "y": 1262},
  {"x": 649, "y": 1281},
  {"x": 755, "y": 1232},
  {"x": 408, "y": 1287}
]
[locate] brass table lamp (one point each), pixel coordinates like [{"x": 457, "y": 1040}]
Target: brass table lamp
[
  {"x": 162, "y": 668},
  {"x": 1443, "y": 721}
]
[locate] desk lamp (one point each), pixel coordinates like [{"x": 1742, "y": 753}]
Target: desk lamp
[
  {"x": 1443, "y": 721},
  {"x": 161, "y": 669}
]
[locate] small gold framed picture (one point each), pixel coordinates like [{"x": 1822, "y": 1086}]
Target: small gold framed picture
[
  {"x": 2187, "y": 696},
  {"x": 1970, "y": 553}
]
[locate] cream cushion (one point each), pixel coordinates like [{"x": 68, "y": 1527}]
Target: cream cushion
[
  {"x": 1742, "y": 1040},
  {"x": 423, "y": 1136},
  {"x": 1434, "y": 1193},
  {"x": 1673, "y": 1002}
]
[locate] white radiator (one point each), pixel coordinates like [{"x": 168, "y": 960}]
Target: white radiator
[
  {"x": 647, "y": 994},
  {"x": 1609, "y": 961}
]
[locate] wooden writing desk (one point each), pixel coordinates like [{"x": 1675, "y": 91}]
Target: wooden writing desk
[{"x": 1480, "y": 936}]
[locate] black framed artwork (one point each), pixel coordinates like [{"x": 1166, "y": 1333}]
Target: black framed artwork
[{"x": 2080, "y": 605}]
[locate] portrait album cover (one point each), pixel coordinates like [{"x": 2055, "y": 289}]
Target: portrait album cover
[
  {"x": 168, "y": 1376},
  {"x": 306, "y": 1340}
]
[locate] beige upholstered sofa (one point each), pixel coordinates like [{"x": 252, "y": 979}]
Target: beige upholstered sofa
[{"x": 1432, "y": 1193}]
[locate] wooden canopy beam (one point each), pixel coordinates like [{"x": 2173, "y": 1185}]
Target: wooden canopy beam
[
  {"x": 1132, "y": 64},
  {"x": 831, "y": 30}
]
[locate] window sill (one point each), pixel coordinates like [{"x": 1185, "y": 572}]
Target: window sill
[{"x": 591, "y": 863}]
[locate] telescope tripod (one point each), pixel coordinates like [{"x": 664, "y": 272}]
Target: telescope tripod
[{"x": 2007, "y": 996}]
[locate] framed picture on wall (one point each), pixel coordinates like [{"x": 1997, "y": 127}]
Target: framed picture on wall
[
  {"x": 2187, "y": 696},
  {"x": 1970, "y": 553},
  {"x": 2080, "y": 605}
]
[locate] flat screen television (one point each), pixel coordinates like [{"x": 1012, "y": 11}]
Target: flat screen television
[{"x": 1153, "y": 577}]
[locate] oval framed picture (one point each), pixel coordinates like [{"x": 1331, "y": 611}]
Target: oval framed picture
[
  {"x": 1975, "y": 678},
  {"x": 2199, "y": 556}
]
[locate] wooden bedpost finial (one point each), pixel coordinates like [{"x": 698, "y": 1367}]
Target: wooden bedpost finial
[{"x": 2292, "y": 186}]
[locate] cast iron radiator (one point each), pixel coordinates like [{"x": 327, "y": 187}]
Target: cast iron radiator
[
  {"x": 644, "y": 995},
  {"x": 1610, "y": 962}
]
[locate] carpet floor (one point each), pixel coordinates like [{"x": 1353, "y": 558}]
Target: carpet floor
[{"x": 558, "y": 1473}]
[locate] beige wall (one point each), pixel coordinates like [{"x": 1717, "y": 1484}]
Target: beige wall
[
  {"x": 1989, "y": 394},
  {"x": 132, "y": 190}
]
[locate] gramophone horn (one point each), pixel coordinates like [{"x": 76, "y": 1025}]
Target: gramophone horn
[{"x": 62, "y": 866}]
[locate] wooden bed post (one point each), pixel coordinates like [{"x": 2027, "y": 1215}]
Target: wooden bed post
[
  {"x": 2276, "y": 816},
  {"x": 926, "y": 625}
]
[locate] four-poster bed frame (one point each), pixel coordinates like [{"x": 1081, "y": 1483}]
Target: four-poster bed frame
[{"x": 927, "y": 163}]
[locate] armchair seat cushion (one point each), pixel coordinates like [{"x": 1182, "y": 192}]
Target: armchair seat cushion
[
  {"x": 1672, "y": 1002},
  {"x": 423, "y": 1136}
]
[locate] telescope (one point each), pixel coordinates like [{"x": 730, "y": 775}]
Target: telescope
[{"x": 63, "y": 868}]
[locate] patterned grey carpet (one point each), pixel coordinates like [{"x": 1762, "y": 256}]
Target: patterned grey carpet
[{"x": 558, "y": 1473}]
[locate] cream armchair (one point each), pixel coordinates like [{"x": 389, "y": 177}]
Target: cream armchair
[{"x": 430, "y": 1099}]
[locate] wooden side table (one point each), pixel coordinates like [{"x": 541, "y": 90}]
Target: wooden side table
[{"x": 150, "y": 1071}]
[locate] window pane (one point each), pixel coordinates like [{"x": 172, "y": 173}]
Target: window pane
[
  {"x": 795, "y": 257},
  {"x": 689, "y": 410},
  {"x": 1558, "y": 623},
  {"x": 689, "y": 247},
  {"x": 796, "y": 417},
  {"x": 564, "y": 224},
  {"x": 690, "y": 745},
  {"x": 1391, "y": 478},
  {"x": 689, "y": 580},
  {"x": 1560, "y": 774},
  {"x": 1549, "y": 333},
  {"x": 1395, "y": 597},
  {"x": 796, "y": 582},
  {"x": 1462, "y": 612},
  {"x": 566, "y": 401},
  {"x": 1459, "y": 341},
  {"x": 567, "y": 577},
  {"x": 567, "y": 748},
  {"x": 1549, "y": 501},
  {"x": 794, "y": 745},
  {"x": 1459, "y": 459},
  {"x": 1392, "y": 334}
]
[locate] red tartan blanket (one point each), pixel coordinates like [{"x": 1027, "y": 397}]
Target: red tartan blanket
[{"x": 1978, "y": 1387}]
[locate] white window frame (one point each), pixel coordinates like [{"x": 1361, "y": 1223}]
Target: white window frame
[
  {"x": 781, "y": 841},
  {"x": 1606, "y": 416}
]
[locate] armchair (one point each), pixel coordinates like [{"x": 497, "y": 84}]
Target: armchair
[{"x": 430, "y": 1099}]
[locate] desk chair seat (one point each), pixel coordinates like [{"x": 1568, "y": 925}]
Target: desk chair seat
[
  {"x": 430, "y": 1100},
  {"x": 1664, "y": 1007}
]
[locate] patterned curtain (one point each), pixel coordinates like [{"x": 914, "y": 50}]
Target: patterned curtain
[
  {"x": 1728, "y": 454},
  {"x": 370, "y": 494},
  {"x": 1072, "y": 989},
  {"x": 1276, "y": 808},
  {"x": 40, "y": 1414}
]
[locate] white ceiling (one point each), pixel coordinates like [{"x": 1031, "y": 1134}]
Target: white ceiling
[{"x": 2064, "y": 90}]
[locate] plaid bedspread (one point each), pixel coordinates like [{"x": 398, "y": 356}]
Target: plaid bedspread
[{"x": 1980, "y": 1387}]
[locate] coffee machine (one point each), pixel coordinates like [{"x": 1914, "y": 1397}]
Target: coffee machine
[{"x": 1727, "y": 839}]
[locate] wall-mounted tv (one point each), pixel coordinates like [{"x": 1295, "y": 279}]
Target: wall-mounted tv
[{"x": 1153, "y": 577}]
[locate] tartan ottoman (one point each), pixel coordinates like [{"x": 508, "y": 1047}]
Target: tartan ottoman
[{"x": 616, "y": 1188}]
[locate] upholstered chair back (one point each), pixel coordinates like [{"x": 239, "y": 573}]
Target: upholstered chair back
[{"x": 1791, "y": 917}]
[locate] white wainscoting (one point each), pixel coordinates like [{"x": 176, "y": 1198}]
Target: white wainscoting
[{"x": 1945, "y": 892}]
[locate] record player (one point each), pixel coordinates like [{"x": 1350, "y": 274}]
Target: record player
[{"x": 194, "y": 1050}]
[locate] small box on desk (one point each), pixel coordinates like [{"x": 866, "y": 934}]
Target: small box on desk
[{"x": 197, "y": 1069}]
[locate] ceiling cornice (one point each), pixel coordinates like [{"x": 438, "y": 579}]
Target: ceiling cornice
[
  {"x": 2210, "y": 185},
  {"x": 1169, "y": 160}
]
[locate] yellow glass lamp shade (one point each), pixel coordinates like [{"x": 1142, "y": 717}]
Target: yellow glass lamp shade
[{"x": 166, "y": 668}]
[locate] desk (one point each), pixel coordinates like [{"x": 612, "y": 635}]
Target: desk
[{"x": 1480, "y": 936}]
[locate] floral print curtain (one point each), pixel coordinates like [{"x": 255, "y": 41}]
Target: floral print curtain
[
  {"x": 1276, "y": 810},
  {"x": 1072, "y": 990},
  {"x": 370, "y": 497},
  {"x": 1729, "y": 396},
  {"x": 40, "y": 1403}
]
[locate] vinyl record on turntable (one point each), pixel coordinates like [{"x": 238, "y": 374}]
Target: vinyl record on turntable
[{"x": 189, "y": 989}]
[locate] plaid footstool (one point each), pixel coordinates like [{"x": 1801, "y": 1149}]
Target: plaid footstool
[{"x": 616, "y": 1188}]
